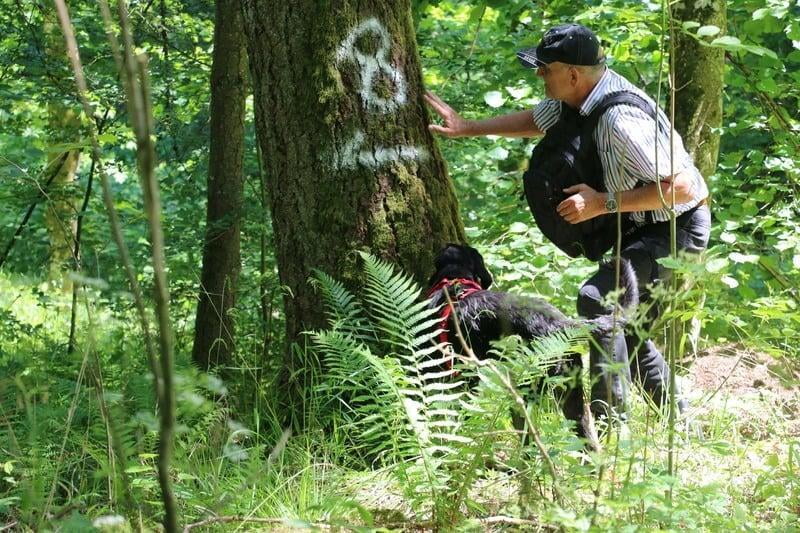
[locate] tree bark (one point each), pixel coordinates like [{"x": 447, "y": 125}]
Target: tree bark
[
  {"x": 64, "y": 128},
  {"x": 349, "y": 160},
  {"x": 214, "y": 324},
  {"x": 699, "y": 81}
]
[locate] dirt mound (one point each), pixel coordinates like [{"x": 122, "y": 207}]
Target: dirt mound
[
  {"x": 735, "y": 368},
  {"x": 753, "y": 385}
]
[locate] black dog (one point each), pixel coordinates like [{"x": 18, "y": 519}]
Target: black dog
[{"x": 485, "y": 316}]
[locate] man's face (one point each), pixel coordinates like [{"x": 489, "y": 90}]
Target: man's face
[{"x": 559, "y": 79}]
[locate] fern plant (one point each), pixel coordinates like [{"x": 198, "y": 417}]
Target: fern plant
[{"x": 383, "y": 369}]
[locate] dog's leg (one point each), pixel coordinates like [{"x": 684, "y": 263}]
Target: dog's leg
[
  {"x": 570, "y": 398},
  {"x": 573, "y": 402}
]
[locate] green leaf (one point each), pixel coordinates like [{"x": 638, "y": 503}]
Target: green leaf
[
  {"x": 511, "y": 276},
  {"x": 707, "y": 31},
  {"x": 717, "y": 264},
  {"x": 759, "y": 14},
  {"x": 477, "y": 13},
  {"x": 760, "y": 51},
  {"x": 670, "y": 262},
  {"x": 793, "y": 31},
  {"x": 736, "y": 257},
  {"x": 498, "y": 152},
  {"x": 137, "y": 469},
  {"x": 494, "y": 98},
  {"x": 518, "y": 227},
  {"x": 727, "y": 40},
  {"x": 518, "y": 93}
]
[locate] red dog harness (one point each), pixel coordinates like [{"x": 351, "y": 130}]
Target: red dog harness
[{"x": 466, "y": 287}]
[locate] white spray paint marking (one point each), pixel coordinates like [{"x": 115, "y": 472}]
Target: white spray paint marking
[
  {"x": 374, "y": 65},
  {"x": 353, "y": 153}
]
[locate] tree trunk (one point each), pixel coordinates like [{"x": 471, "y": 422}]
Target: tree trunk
[
  {"x": 699, "y": 81},
  {"x": 349, "y": 160},
  {"x": 214, "y": 325},
  {"x": 64, "y": 128}
]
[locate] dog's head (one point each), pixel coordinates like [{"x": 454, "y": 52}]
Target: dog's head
[{"x": 457, "y": 260}]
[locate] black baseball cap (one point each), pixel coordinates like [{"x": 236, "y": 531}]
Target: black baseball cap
[{"x": 572, "y": 44}]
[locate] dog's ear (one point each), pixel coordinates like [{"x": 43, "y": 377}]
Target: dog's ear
[{"x": 479, "y": 268}]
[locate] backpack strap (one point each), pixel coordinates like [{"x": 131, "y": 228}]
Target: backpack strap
[
  {"x": 610, "y": 100},
  {"x": 619, "y": 98}
]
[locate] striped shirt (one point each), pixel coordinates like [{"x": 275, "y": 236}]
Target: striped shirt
[{"x": 626, "y": 143}]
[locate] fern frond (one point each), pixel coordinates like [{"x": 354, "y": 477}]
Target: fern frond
[
  {"x": 393, "y": 302},
  {"x": 385, "y": 370},
  {"x": 530, "y": 360},
  {"x": 341, "y": 306},
  {"x": 364, "y": 385}
]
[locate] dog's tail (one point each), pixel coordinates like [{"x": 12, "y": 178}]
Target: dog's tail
[
  {"x": 630, "y": 285},
  {"x": 604, "y": 326}
]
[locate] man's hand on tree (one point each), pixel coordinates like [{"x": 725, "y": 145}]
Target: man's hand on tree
[
  {"x": 584, "y": 203},
  {"x": 454, "y": 125}
]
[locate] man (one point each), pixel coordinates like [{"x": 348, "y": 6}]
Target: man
[{"x": 571, "y": 63}]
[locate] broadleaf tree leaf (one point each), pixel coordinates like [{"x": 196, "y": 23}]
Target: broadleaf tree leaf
[
  {"x": 494, "y": 98},
  {"x": 730, "y": 282},
  {"x": 707, "y": 31}
]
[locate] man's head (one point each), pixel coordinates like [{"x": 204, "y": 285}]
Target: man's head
[{"x": 569, "y": 59}]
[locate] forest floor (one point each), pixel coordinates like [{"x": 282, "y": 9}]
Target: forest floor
[
  {"x": 744, "y": 416},
  {"x": 754, "y": 387}
]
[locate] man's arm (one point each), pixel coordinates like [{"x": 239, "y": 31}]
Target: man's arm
[
  {"x": 519, "y": 124},
  {"x": 585, "y": 202}
]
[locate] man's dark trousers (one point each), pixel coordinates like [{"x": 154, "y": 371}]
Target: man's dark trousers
[{"x": 642, "y": 247}]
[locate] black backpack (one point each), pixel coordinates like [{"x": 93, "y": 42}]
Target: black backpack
[{"x": 567, "y": 156}]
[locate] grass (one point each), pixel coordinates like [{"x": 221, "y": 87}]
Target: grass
[{"x": 737, "y": 468}]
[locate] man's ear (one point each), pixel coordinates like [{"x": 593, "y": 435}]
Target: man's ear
[{"x": 574, "y": 76}]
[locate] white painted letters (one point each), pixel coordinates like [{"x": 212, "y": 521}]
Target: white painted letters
[{"x": 352, "y": 154}]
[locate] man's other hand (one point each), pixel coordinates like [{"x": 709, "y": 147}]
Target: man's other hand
[{"x": 583, "y": 204}]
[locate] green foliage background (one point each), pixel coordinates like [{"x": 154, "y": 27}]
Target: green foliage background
[{"x": 228, "y": 430}]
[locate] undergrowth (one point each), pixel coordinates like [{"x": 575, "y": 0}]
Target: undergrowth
[{"x": 390, "y": 439}]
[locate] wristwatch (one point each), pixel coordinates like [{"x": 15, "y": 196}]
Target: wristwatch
[{"x": 611, "y": 203}]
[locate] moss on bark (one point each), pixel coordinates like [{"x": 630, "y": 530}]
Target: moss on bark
[
  {"x": 350, "y": 161},
  {"x": 699, "y": 79}
]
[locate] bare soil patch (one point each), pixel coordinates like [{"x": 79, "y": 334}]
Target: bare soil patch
[{"x": 754, "y": 385}]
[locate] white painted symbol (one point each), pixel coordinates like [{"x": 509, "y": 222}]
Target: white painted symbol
[
  {"x": 372, "y": 66},
  {"x": 353, "y": 154}
]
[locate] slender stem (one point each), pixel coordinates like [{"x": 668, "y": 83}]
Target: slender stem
[
  {"x": 672, "y": 352},
  {"x": 77, "y": 251},
  {"x": 55, "y": 168},
  {"x": 143, "y": 127},
  {"x": 152, "y": 204},
  {"x": 108, "y": 197}
]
